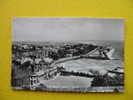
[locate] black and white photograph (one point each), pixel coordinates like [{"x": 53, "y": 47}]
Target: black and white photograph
[{"x": 68, "y": 54}]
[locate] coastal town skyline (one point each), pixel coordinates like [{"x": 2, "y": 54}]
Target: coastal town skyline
[{"x": 68, "y": 54}]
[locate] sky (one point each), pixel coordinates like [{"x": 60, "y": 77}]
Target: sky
[{"x": 67, "y": 29}]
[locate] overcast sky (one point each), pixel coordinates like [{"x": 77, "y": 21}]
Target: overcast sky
[{"x": 67, "y": 29}]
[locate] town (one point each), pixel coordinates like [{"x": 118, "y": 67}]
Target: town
[{"x": 33, "y": 62}]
